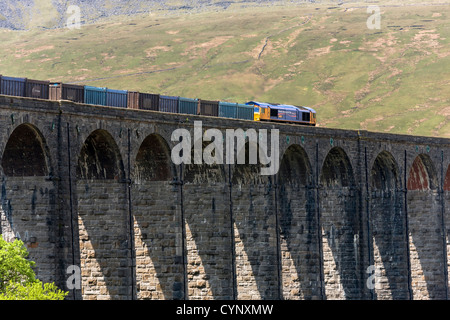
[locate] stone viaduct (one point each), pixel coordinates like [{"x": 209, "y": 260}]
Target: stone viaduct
[{"x": 349, "y": 215}]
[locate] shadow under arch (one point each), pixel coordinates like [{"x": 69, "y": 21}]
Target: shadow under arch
[
  {"x": 158, "y": 264},
  {"x": 422, "y": 174},
  {"x": 103, "y": 222},
  {"x": 249, "y": 172},
  {"x": 100, "y": 158},
  {"x": 388, "y": 229},
  {"x": 28, "y": 199},
  {"x": 254, "y": 215},
  {"x": 26, "y": 153},
  {"x": 425, "y": 223},
  {"x": 208, "y": 240},
  {"x": 340, "y": 227},
  {"x": 153, "y": 161},
  {"x": 203, "y": 173},
  {"x": 298, "y": 226}
]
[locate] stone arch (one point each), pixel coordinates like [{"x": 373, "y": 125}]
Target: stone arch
[
  {"x": 298, "y": 226},
  {"x": 340, "y": 225},
  {"x": 249, "y": 172},
  {"x": 387, "y": 227},
  {"x": 26, "y": 153},
  {"x": 425, "y": 227},
  {"x": 202, "y": 173},
  {"x": 100, "y": 158},
  {"x": 153, "y": 161},
  {"x": 28, "y": 199},
  {"x": 337, "y": 169},
  {"x": 103, "y": 219},
  {"x": 158, "y": 262},
  {"x": 295, "y": 167},
  {"x": 422, "y": 174},
  {"x": 206, "y": 190},
  {"x": 384, "y": 174},
  {"x": 253, "y": 208}
]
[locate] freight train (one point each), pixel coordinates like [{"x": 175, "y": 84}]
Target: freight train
[{"x": 252, "y": 110}]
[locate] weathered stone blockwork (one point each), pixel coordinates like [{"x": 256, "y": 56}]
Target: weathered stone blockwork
[
  {"x": 349, "y": 215},
  {"x": 158, "y": 265}
]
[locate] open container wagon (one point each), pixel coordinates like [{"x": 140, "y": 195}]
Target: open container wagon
[
  {"x": 208, "y": 108},
  {"x": 227, "y": 110},
  {"x": 143, "y": 101},
  {"x": 187, "y": 105},
  {"x": 244, "y": 112},
  {"x": 95, "y": 95},
  {"x": 168, "y": 104},
  {"x": 12, "y": 86},
  {"x": 117, "y": 98},
  {"x": 64, "y": 91},
  {"x": 37, "y": 89}
]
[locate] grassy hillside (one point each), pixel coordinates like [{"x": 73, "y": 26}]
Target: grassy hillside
[{"x": 395, "y": 79}]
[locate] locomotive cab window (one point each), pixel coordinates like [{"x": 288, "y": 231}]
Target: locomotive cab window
[
  {"x": 306, "y": 116},
  {"x": 274, "y": 113}
]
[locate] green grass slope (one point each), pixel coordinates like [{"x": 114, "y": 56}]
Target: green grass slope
[{"x": 395, "y": 79}]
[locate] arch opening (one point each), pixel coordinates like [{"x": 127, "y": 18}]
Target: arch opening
[
  {"x": 205, "y": 190},
  {"x": 387, "y": 227},
  {"x": 337, "y": 169},
  {"x": 340, "y": 223},
  {"x": 100, "y": 158},
  {"x": 25, "y": 153},
  {"x": 29, "y": 201},
  {"x": 102, "y": 218},
  {"x": 295, "y": 168},
  {"x": 249, "y": 172},
  {"x": 153, "y": 160},
  {"x": 422, "y": 175},
  {"x": 157, "y": 274},
  {"x": 252, "y": 197},
  {"x": 299, "y": 245},
  {"x": 384, "y": 172},
  {"x": 425, "y": 228},
  {"x": 203, "y": 173}
]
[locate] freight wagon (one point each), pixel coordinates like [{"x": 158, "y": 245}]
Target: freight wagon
[{"x": 101, "y": 96}]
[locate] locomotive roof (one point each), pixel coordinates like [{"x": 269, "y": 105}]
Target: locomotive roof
[
  {"x": 310, "y": 109},
  {"x": 291, "y": 107},
  {"x": 261, "y": 104},
  {"x": 281, "y": 106}
]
